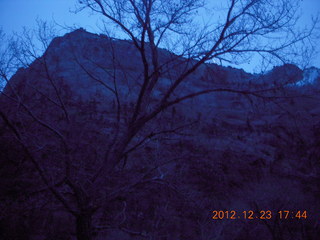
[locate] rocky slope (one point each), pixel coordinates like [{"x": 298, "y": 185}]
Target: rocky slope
[{"x": 228, "y": 151}]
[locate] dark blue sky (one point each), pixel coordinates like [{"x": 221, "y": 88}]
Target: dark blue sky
[{"x": 14, "y": 14}]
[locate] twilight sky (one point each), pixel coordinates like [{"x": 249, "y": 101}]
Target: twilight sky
[{"x": 14, "y": 14}]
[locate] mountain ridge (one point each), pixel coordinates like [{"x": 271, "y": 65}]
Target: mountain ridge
[
  {"x": 252, "y": 144},
  {"x": 84, "y": 39}
]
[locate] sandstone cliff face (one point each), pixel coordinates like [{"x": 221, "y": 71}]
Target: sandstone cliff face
[{"x": 228, "y": 151}]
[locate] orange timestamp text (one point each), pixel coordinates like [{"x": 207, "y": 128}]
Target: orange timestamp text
[{"x": 262, "y": 214}]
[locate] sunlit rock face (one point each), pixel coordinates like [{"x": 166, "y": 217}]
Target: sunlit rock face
[{"x": 253, "y": 148}]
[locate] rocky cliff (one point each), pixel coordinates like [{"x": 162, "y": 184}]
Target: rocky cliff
[{"x": 253, "y": 144}]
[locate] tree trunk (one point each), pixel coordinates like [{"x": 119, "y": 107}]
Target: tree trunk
[{"x": 83, "y": 227}]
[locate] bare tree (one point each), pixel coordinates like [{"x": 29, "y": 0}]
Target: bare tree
[{"x": 245, "y": 27}]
